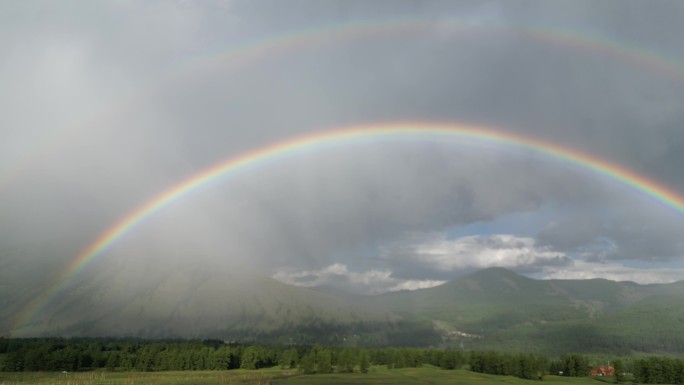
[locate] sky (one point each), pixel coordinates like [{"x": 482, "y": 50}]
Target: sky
[{"x": 109, "y": 104}]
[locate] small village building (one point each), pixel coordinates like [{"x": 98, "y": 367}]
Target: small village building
[{"x": 603, "y": 370}]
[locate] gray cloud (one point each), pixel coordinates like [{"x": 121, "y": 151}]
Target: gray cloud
[
  {"x": 108, "y": 104},
  {"x": 367, "y": 282},
  {"x": 629, "y": 235},
  {"x": 615, "y": 272},
  {"x": 430, "y": 254}
]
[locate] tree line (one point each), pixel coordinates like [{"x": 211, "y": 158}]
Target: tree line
[
  {"x": 659, "y": 370},
  {"x": 57, "y": 354}
]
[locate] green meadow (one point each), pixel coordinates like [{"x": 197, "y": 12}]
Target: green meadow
[
  {"x": 213, "y": 377},
  {"x": 377, "y": 375},
  {"x": 425, "y": 375}
]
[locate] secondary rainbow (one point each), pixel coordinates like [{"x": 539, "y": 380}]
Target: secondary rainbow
[
  {"x": 258, "y": 49},
  {"x": 343, "y": 136},
  {"x": 238, "y": 55}
]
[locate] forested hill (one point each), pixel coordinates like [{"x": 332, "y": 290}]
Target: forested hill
[
  {"x": 499, "y": 309},
  {"x": 490, "y": 309}
]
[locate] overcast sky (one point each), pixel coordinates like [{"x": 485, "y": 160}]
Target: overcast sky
[{"x": 106, "y": 105}]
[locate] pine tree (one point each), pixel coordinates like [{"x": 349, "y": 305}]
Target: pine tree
[
  {"x": 307, "y": 363},
  {"x": 294, "y": 358},
  {"x": 250, "y": 357},
  {"x": 112, "y": 361},
  {"x": 364, "y": 365},
  {"x": 324, "y": 361},
  {"x": 450, "y": 360},
  {"x": 619, "y": 370},
  {"x": 288, "y": 359},
  {"x": 14, "y": 362},
  {"x": 345, "y": 361}
]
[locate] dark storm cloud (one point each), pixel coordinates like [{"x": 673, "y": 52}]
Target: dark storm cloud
[
  {"x": 109, "y": 104},
  {"x": 625, "y": 236}
]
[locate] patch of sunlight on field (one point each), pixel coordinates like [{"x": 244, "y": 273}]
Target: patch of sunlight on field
[{"x": 424, "y": 375}]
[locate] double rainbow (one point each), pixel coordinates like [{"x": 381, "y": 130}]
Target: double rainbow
[{"x": 377, "y": 132}]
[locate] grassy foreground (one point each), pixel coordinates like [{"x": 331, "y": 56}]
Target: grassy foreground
[
  {"x": 425, "y": 375},
  {"x": 233, "y": 377},
  {"x": 378, "y": 375}
]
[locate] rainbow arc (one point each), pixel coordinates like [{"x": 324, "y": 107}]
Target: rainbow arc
[{"x": 438, "y": 132}]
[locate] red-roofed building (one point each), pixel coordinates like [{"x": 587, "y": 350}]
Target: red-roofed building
[{"x": 603, "y": 370}]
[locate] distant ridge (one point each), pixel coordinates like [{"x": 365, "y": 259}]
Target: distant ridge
[{"x": 494, "y": 308}]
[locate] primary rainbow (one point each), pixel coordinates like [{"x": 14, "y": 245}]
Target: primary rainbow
[{"x": 346, "y": 135}]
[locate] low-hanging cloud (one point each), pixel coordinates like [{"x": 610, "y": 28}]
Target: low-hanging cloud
[
  {"x": 367, "y": 282},
  {"x": 437, "y": 253},
  {"x": 109, "y": 104},
  {"x": 614, "y": 272}
]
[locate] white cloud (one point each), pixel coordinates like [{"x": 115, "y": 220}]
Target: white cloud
[
  {"x": 367, "y": 282},
  {"x": 479, "y": 251},
  {"x": 614, "y": 272}
]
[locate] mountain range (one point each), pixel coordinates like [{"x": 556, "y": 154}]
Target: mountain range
[{"x": 493, "y": 308}]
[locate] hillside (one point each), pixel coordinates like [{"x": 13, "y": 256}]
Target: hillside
[
  {"x": 489, "y": 309},
  {"x": 499, "y": 309},
  {"x": 199, "y": 303}
]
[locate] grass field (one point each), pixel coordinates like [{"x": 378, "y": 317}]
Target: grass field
[
  {"x": 377, "y": 375},
  {"x": 233, "y": 377},
  {"x": 425, "y": 375}
]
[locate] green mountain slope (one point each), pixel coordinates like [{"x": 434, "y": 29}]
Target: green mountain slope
[
  {"x": 499, "y": 309},
  {"x": 196, "y": 302},
  {"x": 489, "y": 309}
]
